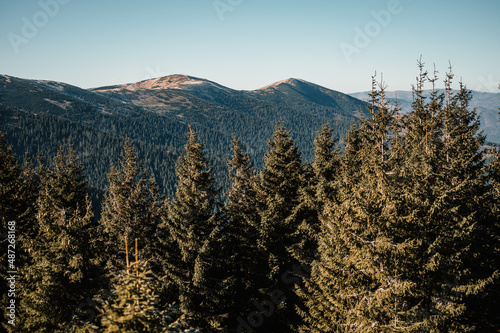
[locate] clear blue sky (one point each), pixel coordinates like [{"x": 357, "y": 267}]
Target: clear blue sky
[{"x": 247, "y": 44}]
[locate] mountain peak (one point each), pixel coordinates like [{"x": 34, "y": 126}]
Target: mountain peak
[
  {"x": 175, "y": 81},
  {"x": 290, "y": 81}
]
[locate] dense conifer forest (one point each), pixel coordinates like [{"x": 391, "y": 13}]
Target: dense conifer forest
[{"x": 395, "y": 230}]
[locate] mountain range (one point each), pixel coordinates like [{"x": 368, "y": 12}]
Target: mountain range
[{"x": 38, "y": 115}]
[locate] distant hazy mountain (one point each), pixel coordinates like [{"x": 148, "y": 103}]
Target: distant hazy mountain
[
  {"x": 39, "y": 115},
  {"x": 486, "y": 104}
]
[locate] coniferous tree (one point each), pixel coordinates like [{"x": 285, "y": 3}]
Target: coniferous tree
[
  {"x": 467, "y": 194},
  {"x": 10, "y": 210},
  {"x": 278, "y": 195},
  {"x": 18, "y": 195},
  {"x": 325, "y": 166},
  {"x": 494, "y": 292},
  {"x": 62, "y": 269},
  {"x": 135, "y": 304},
  {"x": 445, "y": 198},
  {"x": 244, "y": 268},
  {"x": 355, "y": 284},
  {"x": 494, "y": 174},
  {"x": 189, "y": 229},
  {"x": 132, "y": 208},
  {"x": 320, "y": 187},
  {"x": 9, "y": 184}
]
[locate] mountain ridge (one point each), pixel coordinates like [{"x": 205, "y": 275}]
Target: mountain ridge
[
  {"x": 40, "y": 115},
  {"x": 179, "y": 94},
  {"x": 155, "y": 114}
]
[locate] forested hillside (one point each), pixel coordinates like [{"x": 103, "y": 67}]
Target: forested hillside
[
  {"x": 38, "y": 116},
  {"x": 394, "y": 230}
]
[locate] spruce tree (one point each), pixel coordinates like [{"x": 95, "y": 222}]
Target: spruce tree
[
  {"x": 18, "y": 194},
  {"x": 135, "y": 304},
  {"x": 244, "y": 268},
  {"x": 9, "y": 184},
  {"x": 493, "y": 319},
  {"x": 11, "y": 207},
  {"x": 62, "y": 269},
  {"x": 445, "y": 202},
  {"x": 189, "y": 230},
  {"x": 278, "y": 195},
  {"x": 355, "y": 284},
  {"x": 320, "y": 187},
  {"x": 325, "y": 166},
  {"x": 467, "y": 194},
  {"x": 132, "y": 208}
]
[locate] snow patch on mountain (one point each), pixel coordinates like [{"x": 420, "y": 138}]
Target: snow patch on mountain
[
  {"x": 63, "y": 105},
  {"x": 51, "y": 84},
  {"x": 7, "y": 78}
]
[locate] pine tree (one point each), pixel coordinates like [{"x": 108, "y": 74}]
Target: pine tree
[
  {"x": 62, "y": 269},
  {"x": 188, "y": 228},
  {"x": 132, "y": 208}
]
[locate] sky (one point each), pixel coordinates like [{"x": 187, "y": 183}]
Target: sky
[{"x": 247, "y": 44}]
